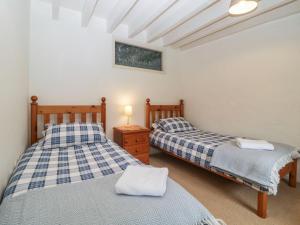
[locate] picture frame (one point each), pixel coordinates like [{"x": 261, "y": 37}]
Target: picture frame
[{"x": 138, "y": 57}]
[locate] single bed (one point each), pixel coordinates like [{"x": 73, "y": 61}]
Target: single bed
[
  {"x": 75, "y": 184},
  {"x": 197, "y": 147}
]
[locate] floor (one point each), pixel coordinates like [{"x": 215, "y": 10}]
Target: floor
[{"x": 235, "y": 204}]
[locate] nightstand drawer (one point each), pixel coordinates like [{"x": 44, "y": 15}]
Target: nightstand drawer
[
  {"x": 144, "y": 158},
  {"x": 137, "y": 149},
  {"x": 136, "y": 139}
]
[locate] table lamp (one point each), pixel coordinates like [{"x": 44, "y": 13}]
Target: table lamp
[{"x": 128, "y": 112}]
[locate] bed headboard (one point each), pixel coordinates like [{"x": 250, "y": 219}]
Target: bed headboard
[
  {"x": 154, "y": 112},
  {"x": 60, "y": 110}
]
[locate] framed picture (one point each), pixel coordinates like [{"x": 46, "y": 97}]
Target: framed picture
[{"x": 138, "y": 57}]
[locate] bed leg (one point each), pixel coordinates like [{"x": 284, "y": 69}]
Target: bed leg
[
  {"x": 262, "y": 204},
  {"x": 293, "y": 175}
]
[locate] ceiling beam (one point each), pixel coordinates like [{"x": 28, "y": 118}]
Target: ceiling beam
[
  {"x": 289, "y": 9},
  {"x": 184, "y": 13},
  {"x": 119, "y": 12},
  {"x": 55, "y": 9},
  {"x": 207, "y": 17},
  {"x": 141, "y": 25},
  {"x": 88, "y": 11},
  {"x": 264, "y": 7}
]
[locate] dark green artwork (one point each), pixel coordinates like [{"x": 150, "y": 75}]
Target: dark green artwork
[{"x": 133, "y": 56}]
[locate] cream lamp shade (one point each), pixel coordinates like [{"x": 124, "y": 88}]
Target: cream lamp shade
[
  {"x": 240, "y": 7},
  {"x": 128, "y": 112}
]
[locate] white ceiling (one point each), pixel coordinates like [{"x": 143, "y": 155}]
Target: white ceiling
[{"x": 180, "y": 24}]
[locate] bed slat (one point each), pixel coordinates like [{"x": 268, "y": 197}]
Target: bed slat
[
  {"x": 60, "y": 118},
  {"x": 83, "y": 117},
  {"x": 165, "y": 114},
  {"x": 72, "y": 117},
  {"x": 159, "y": 114},
  {"x": 46, "y": 118},
  {"x": 153, "y": 116},
  {"x": 94, "y": 117}
]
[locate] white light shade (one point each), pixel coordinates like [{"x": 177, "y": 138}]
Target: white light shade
[
  {"x": 128, "y": 110},
  {"x": 240, "y": 7}
]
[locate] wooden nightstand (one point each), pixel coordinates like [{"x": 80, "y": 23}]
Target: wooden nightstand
[{"x": 135, "y": 140}]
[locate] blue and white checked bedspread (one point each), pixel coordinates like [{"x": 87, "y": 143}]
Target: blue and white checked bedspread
[
  {"x": 47, "y": 168},
  {"x": 198, "y": 147}
]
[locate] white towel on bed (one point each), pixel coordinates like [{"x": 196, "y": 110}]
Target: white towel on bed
[
  {"x": 254, "y": 144},
  {"x": 142, "y": 180}
]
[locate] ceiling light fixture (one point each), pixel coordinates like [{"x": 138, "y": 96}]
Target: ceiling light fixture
[{"x": 240, "y": 7}]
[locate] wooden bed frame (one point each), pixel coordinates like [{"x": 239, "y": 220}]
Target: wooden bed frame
[
  {"x": 60, "y": 111},
  {"x": 154, "y": 112}
]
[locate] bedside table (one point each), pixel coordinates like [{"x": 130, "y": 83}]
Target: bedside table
[{"x": 135, "y": 140}]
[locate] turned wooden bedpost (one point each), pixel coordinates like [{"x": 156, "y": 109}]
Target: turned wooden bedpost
[
  {"x": 34, "y": 106},
  {"x": 293, "y": 175},
  {"x": 103, "y": 113},
  {"x": 148, "y": 113},
  {"x": 181, "y": 108},
  {"x": 262, "y": 204}
]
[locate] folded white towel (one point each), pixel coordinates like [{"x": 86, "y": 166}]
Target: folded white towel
[
  {"x": 141, "y": 180},
  {"x": 254, "y": 144}
]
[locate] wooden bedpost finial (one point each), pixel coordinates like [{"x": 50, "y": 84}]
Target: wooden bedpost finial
[
  {"x": 34, "y": 99},
  {"x": 148, "y": 111},
  {"x": 34, "y": 109},
  {"x": 181, "y": 101},
  {"x": 103, "y": 113}
]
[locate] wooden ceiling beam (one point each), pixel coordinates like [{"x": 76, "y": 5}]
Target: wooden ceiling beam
[
  {"x": 119, "y": 12},
  {"x": 88, "y": 11},
  {"x": 174, "y": 18},
  {"x": 141, "y": 25},
  {"x": 207, "y": 17}
]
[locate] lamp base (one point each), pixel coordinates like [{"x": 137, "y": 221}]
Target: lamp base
[{"x": 128, "y": 119}]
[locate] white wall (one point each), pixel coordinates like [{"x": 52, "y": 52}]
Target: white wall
[
  {"x": 14, "y": 23},
  {"x": 247, "y": 84},
  {"x": 73, "y": 65}
]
